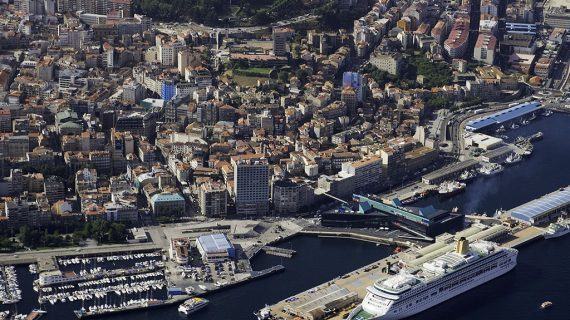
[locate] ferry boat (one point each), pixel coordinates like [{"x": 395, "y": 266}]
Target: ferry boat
[
  {"x": 192, "y": 305},
  {"x": 451, "y": 188},
  {"x": 513, "y": 158},
  {"x": 558, "y": 229},
  {"x": 418, "y": 288},
  {"x": 491, "y": 169}
]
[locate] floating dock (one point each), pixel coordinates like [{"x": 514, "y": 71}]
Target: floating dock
[
  {"x": 280, "y": 252},
  {"x": 152, "y": 304}
]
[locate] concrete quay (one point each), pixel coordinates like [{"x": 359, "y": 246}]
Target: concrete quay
[
  {"x": 524, "y": 236},
  {"x": 409, "y": 191},
  {"x": 345, "y": 292},
  {"x": 358, "y": 236}
]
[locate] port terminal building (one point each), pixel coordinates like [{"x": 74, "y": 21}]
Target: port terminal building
[
  {"x": 543, "y": 209},
  {"x": 426, "y": 221},
  {"x": 503, "y": 118},
  {"x": 215, "y": 247},
  {"x": 343, "y": 219}
]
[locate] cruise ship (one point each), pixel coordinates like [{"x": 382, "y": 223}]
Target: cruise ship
[{"x": 415, "y": 289}]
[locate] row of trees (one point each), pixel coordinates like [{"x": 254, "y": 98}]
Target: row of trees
[
  {"x": 35, "y": 238},
  {"x": 103, "y": 231},
  {"x": 100, "y": 230},
  {"x": 436, "y": 74},
  {"x": 255, "y": 12},
  {"x": 202, "y": 11}
]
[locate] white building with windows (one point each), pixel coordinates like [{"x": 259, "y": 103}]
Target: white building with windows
[
  {"x": 251, "y": 184},
  {"x": 215, "y": 247}
]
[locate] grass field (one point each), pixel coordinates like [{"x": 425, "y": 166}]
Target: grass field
[
  {"x": 253, "y": 72},
  {"x": 246, "y": 81}
]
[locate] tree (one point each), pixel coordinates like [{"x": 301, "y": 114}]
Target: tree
[
  {"x": 302, "y": 75},
  {"x": 283, "y": 76}
]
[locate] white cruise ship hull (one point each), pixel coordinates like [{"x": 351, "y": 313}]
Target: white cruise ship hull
[{"x": 401, "y": 312}]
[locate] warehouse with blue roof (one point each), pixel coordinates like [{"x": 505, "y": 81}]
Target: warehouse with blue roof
[
  {"x": 543, "y": 209},
  {"x": 503, "y": 117}
]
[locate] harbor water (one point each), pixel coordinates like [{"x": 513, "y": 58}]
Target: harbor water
[
  {"x": 542, "y": 272},
  {"x": 547, "y": 169}
]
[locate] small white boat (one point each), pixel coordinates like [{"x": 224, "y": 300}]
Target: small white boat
[
  {"x": 546, "y": 304},
  {"x": 263, "y": 314},
  {"x": 513, "y": 158}
]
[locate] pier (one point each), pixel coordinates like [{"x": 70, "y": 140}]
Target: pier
[
  {"x": 280, "y": 252},
  {"x": 46, "y": 258},
  {"x": 559, "y": 108},
  {"x": 358, "y": 236},
  {"x": 334, "y": 299},
  {"x": 252, "y": 251},
  {"x": 150, "y": 304},
  {"x": 449, "y": 172}
]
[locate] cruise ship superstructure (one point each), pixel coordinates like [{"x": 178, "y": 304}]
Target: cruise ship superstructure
[{"x": 417, "y": 288}]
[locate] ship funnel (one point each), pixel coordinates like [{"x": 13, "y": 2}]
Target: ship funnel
[{"x": 462, "y": 246}]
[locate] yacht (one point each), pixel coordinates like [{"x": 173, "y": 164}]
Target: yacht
[
  {"x": 192, "y": 305},
  {"x": 557, "y": 229},
  {"x": 421, "y": 284},
  {"x": 547, "y": 113},
  {"x": 513, "y": 158},
  {"x": 501, "y": 129}
]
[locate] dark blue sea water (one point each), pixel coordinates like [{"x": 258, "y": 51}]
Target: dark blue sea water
[
  {"x": 542, "y": 273},
  {"x": 546, "y": 170}
]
